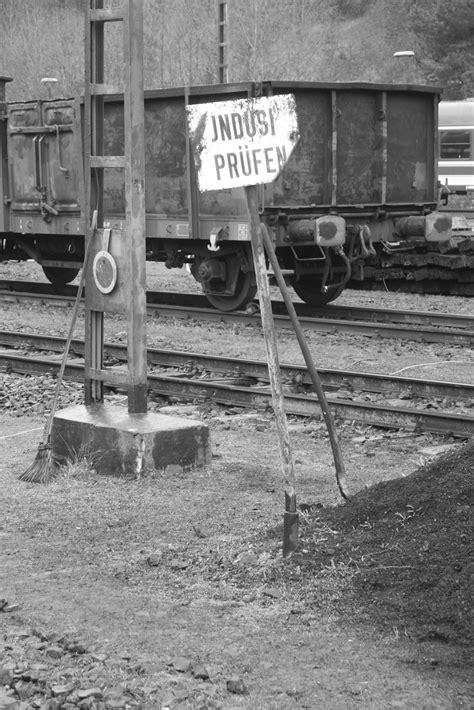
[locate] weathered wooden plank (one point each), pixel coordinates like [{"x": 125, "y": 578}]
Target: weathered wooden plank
[
  {"x": 134, "y": 115},
  {"x": 466, "y": 245},
  {"x": 451, "y": 246},
  {"x": 435, "y": 274},
  {"x": 463, "y": 290},
  {"x": 288, "y": 468},
  {"x": 452, "y": 261},
  {"x": 107, "y": 161},
  {"x": 404, "y": 259}
]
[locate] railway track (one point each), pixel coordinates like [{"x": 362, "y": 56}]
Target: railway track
[
  {"x": 386, "y": 401},
  {"x": 421, "y": 326}
]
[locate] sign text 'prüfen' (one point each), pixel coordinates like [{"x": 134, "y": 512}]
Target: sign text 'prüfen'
[{"x": 242, "y": 142}]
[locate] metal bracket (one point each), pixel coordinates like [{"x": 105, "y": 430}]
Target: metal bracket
[
  {"x": 365, "y": 237},
  {"x": 213, "y": 237}
]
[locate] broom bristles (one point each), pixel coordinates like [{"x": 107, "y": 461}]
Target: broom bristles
[{"x": 43, "y": 467}]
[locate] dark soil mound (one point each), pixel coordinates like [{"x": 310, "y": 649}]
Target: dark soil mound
[{"x": 409, "y": 544}]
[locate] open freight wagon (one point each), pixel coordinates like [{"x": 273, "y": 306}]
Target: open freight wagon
[{"x": 360, "y": 187}]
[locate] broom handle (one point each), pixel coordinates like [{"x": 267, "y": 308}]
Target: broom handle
[
  {"x": 49, "y": 424},
  {"x": 323, "y": 403}
]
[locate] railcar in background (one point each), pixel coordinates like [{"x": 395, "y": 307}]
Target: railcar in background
[
  {"x": 359, "y": 192},
  {"x": 456, "y": 145}
]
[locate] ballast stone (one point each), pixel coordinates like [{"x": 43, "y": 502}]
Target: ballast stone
[{"x": 118, "y": 443}]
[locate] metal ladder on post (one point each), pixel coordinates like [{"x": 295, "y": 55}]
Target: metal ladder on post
[
  {"x": 222, "y": 42},
  {"x": 133, "y": 163}
]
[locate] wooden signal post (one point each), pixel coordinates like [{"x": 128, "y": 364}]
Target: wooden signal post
[
  {"x": 119, "y": 442},
  {"x": 108, "y": 273}
]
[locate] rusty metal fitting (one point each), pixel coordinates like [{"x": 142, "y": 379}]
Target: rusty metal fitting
[
  {"x": 325, "y": 231},
  {"x": 434, "y": 227}
]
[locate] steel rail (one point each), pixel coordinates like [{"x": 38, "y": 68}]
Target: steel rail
[
  {"x": 331, "y": 311},
  {"x": 293, "y": 374},
  {"x": 329, "y": 325},
  {"x": 260, "y": 397},
  {"x": 461, "y": 334}
]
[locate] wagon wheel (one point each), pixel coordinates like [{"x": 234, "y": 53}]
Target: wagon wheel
[
  {"x": 245, "y": 291},
  {"x": 227, "y": 280},
  {"x": 309, "y": 290},
  {"x": 59, "y": 276}
]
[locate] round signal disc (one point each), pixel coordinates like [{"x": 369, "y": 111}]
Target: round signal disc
[{"x": 104, "y": 270}]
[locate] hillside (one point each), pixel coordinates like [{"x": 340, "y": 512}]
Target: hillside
[{"x": 328, "y": 40}]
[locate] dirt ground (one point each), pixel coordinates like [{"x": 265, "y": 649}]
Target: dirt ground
[
  {"x": 171, "y": 591},
  {"x": 136, "y": 588}
]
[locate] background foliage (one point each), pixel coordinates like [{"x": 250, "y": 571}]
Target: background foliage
[{"x": 318, "y": 40}]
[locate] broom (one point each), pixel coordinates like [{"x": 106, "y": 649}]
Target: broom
[{"x": 44, "y": 466}]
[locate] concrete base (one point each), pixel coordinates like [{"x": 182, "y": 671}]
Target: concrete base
[{"x": 121, "y": 444}]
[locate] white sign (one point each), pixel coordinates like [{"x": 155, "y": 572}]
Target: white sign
[{"x": 242, "y": 142}]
